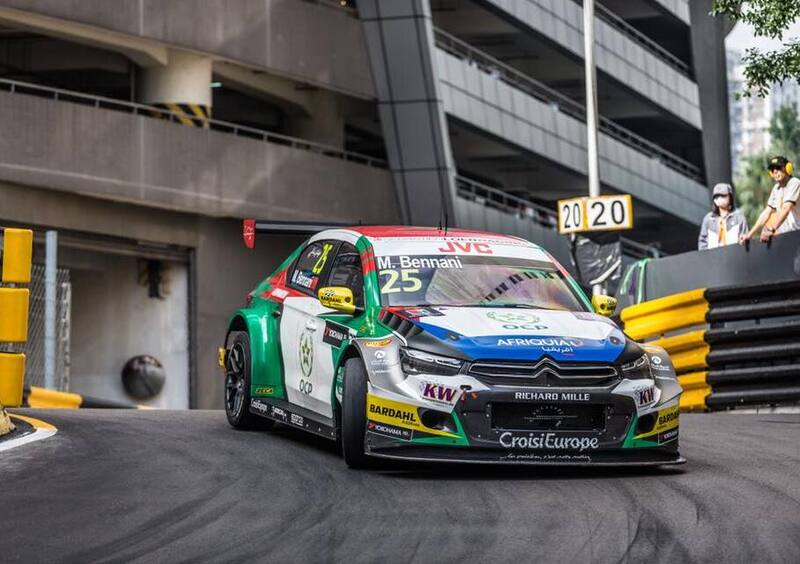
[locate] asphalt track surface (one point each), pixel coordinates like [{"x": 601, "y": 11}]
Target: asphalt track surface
[{"x": 160, "y": 486}]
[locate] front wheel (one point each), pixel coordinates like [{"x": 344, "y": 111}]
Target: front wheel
[
  {"x": 354, "y": 414},
  {"x": 238, "y": 366}
]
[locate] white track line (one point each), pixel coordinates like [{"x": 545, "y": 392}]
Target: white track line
[{"x": 41, "y": 431}]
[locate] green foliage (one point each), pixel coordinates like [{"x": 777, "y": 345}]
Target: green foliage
[
  {"x": 753, "y": 185},
  {"x": 769, "y": 18}
]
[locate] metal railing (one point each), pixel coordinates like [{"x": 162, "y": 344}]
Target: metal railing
[
  {"x": 562, "y": 103},
  {"x": 543, "y": 216},
  {"x": 145, "y": 110},
  {"x": 637, "y": 36}
]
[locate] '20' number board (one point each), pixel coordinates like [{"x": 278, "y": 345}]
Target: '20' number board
[{"x": 602, "y": 213}]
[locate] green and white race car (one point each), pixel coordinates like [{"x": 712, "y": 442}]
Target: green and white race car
[{"x": 416, "y": 343}]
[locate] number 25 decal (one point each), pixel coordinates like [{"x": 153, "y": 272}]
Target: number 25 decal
[{"x": 406, "y": 276}]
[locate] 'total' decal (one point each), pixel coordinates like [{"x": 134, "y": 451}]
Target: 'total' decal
[{"x": 455, "y": 247}]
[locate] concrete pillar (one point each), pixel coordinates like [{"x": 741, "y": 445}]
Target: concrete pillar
[
  {"x": 708, "y": 53},
  {"x": 399, "y": 37},
  {"x": 182, "y": 86}
]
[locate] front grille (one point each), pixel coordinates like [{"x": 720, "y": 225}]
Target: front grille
[
  {"x": 548, "y": 417},
  {"x": 543, "y": 373}
]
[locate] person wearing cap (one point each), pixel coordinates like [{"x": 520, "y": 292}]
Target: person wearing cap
[
  {"x": 724, "y": 224},
  {"x": 781, "y": 214}
]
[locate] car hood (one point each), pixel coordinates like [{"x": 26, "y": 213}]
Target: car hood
[{"x": 513, "y": 334}]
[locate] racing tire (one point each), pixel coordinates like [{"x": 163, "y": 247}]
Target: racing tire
[
  {"x": 354, "y": 414},
  {"x": 238, "y": 365}
]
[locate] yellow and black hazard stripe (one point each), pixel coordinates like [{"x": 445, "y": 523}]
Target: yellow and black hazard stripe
[{"x": 193, "y": 115}]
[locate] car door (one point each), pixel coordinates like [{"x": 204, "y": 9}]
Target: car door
[{"x": 306, "y": 361}]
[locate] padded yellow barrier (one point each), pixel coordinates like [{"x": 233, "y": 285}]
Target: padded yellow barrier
[
  {"x": 17, "y": 255},
  {"x": 14, "y": 314},
  {"x": 688, "y": 351},
  {"x": 656, "y": 317},
  {"x": 695, "y": 391},
  {"x": 51, "y": 399},
  {"x": 12, "y": 375}
]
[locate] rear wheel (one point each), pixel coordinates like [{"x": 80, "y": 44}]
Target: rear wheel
[
  {"x": 354, "y": 414},
  {"x": 238, "y": 366}
]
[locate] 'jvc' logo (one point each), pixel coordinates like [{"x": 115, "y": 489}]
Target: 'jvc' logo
[
  {"x": 453, "y": 247},
  {"x": 439, "y": 392}
]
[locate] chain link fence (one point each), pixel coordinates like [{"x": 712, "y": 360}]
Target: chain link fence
[{"x": 34, "y": 348}]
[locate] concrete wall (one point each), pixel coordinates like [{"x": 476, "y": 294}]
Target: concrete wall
[
  {"x": 223, "y": 269},
  {"x": 725, "y": 266},
  {"x": 113, "y": 319},
  {"x": 617, "y": 55},
  {"x": 120, "y": 156},
  {"x": 483, "y": 100},
  {"x": 275, "y": 35}
]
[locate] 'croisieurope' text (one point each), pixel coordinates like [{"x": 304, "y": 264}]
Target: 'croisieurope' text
[{"x": 548, "y": 440}]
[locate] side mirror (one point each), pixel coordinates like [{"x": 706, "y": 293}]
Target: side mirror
[
  {"x": 604, "y": 305},
  {"x": 338, "y": 298}
]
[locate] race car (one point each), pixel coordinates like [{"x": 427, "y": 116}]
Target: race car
[{"x": 425, "y": 344}]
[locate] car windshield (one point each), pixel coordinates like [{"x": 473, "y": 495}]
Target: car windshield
[{"x": 474, "y": 280}]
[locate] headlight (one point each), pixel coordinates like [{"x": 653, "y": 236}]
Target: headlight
[
  {"x": 420, "y": 362},
  {"x": 639, "y": 369}
]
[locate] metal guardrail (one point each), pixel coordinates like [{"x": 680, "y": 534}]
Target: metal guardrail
[
  {"x": 562, "y": 103},
  {"x": 635, "y": 35},
  {"x": 537, "y": 213},
  {"x": 135, "y": 108}
]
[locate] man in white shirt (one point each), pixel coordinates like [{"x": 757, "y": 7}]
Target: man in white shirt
[{"x": 781, "y": 214}]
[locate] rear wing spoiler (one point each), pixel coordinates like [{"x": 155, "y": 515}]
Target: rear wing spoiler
[{"x": 251, "y": 227}]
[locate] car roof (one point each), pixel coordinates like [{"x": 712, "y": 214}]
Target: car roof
[{"x": 398, "y": 231}]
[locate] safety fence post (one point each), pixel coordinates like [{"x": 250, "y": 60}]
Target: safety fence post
[{"x": 17, "y": 252}]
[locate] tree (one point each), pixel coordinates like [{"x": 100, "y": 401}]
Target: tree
[
  {"x": 769, "y": 18},
  {"x": 753, "y": 183}
]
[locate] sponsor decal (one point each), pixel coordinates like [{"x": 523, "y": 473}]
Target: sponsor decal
[
  {"x": 419, "y": 312},
  {"x": 515, "y": 321},
  {"x": 552, "y": 396},
  {"x": 668, "y": 436},
  {"x": 555, "y": 342},
  {"x": 456, "y": 247},
  {"x": 334, "y": 334},
  {"x": 260, "y": 406},
  {"x": 407, "y": 262},
  {"x": 389, "y": 430},
  {"x": 399, "y": 414},
  {"x": 297, "y": 419},
  {"x": 376, "y": 344},
  {"x": 279, "y": 294},
  {"x": 439, "y": 393},
  {"x": 547, "y": 457},
  {"x": 304, "y": 280},
  {"x": 306, "y": 353},
  {"x": 645, "y": 396},
  {"x": 547, "y": 441},
  {"x": 657, "y": 363},
  {"x": 668, "y": 420},
  {"x": 279, "y": 413},
  {"x": 264, "y": 390}
]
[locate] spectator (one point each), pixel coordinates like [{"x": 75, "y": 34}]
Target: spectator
[
  {"x": 781, "y": 214},
  {"x": 724, "y": 224}
]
